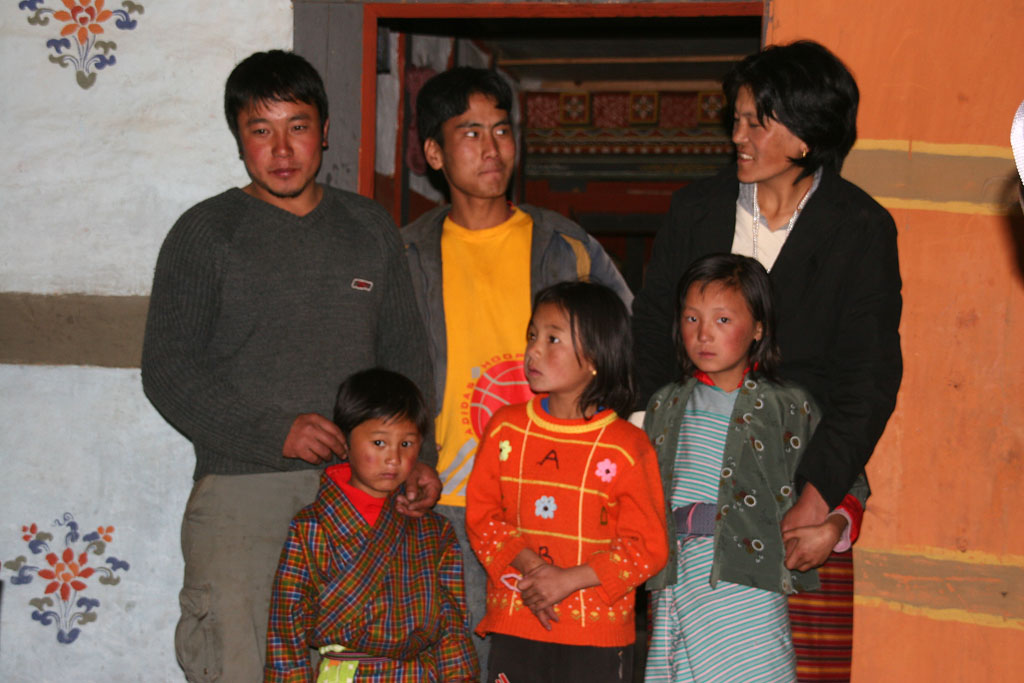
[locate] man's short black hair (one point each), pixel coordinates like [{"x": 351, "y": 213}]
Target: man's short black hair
[
  {"x": 274, "y": 76},
  {"x": 379, "y": 394},
  {"x": 446, "y": 96},
  {"x": 807, "y": 89}
]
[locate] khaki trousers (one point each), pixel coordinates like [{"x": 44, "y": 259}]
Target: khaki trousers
[{"x": 231, "y": 538}]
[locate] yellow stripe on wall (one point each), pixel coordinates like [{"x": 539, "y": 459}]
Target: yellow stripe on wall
[
  {"x": 943, "y": 148},
  {"x": 973, "y": 208},
  {"x": 886, "y": 145},
  {"x": 960, "y": 150},
  {"x": 974, "y": 587},
  {"x": 979, "y": 180},
  {"x": 947, "y": 555},
  {"x": 962, "y": 616}
]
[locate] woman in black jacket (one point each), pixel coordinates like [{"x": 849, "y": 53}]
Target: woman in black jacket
[{"x": 831, "y": 253}]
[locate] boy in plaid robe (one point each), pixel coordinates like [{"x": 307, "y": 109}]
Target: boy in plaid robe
[{"x": 379, "y": 594}]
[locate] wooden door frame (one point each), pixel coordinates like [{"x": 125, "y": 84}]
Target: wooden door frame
[{"x": 373, "y": 12}]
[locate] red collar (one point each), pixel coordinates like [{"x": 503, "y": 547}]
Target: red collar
[
  {"x": 703, "y": 377},
  {"x": 368, "y": 506}
]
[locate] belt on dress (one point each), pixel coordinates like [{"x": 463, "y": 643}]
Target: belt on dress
[
  {"x": 695, "y": 519},
  {"x": 332, "y": 652}
]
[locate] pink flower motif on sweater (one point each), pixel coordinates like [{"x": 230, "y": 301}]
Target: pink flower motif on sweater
[{"x": 606, "y": 470}]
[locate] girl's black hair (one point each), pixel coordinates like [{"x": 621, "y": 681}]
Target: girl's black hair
[
  {"x": 748, "y": 277},
  {"x": 810, "y": 91},
  {"x": 381, "y": 394},
  {"x": 599, "y": 323}
]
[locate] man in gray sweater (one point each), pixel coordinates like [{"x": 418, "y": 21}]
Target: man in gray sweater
[{"x": 264, "y": 299}]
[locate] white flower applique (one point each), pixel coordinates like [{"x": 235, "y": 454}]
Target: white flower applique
[
  {"x": 545, "y": 507},
  {"x": 504, "y": 450},
  {"x": 753, "y": 546},
  {"x": 606, "y": 470}
]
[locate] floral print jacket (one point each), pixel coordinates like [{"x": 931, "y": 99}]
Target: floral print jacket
[{"x": 770, "y": 426}]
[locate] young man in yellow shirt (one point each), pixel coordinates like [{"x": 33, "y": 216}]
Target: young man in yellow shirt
[{"x": 476, "y": 264}]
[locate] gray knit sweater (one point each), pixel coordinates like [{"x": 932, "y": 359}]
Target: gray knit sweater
[{"x": 256, "y": 316}]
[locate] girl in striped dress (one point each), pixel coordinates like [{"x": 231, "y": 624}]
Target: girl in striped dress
[{"x": 729, "y": 438}]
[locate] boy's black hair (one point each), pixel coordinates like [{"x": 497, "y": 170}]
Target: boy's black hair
[
  {"x": 379, "y": 394},
  {"x": 601, "y": 333},
  {"x": 810, "y": 91},
  {"x": 274, "y": 76},
  {"x": 748, "y": 277},
  {"x": 446, "y": 96}
]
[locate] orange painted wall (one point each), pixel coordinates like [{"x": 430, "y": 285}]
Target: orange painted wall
[
  {"x": 946, "y": 516},
  {"x": 937, "y": 70}
]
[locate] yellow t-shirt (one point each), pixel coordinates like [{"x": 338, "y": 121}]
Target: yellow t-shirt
[{"x": 486, "y": 279}]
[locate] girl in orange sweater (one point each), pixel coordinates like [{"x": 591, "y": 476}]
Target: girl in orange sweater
[{"x": 564, "y": 507}]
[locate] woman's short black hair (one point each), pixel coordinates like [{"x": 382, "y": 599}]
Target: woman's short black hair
[
  {"x": 379, "y": 394},
  {"x": 750, "y": 279},
  {"x": 273, "y": 76},
  {"x": 806, "y": 88},
  {"x": 601, "y": 333},
  {"x": 446, "y": 96}
]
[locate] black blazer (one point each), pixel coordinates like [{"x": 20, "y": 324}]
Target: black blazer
[{"x": 837, "y": 294}]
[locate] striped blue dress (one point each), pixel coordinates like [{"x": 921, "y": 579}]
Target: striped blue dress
[{"x": 731, "y": 632}]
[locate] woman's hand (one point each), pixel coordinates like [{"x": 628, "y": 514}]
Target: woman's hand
[
  {"x": 809, "y": 510},
  {"x": 809, "y": 546}
]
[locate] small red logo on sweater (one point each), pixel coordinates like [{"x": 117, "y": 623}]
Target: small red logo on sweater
[{"x": 362, "y": 285}]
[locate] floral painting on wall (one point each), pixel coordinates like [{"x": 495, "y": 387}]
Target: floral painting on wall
[
  {"x": 83, "y": 41},
  {"x": 69, "y": 566}
]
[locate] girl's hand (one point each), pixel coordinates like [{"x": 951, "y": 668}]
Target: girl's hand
[
  {"x": 808, "y": 547},
  {"x": 546, "y": 616},
  {"x": 546, "y": 585},
  {"x": 525, "y": 562}
]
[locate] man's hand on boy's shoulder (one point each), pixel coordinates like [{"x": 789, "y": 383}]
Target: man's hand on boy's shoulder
[
  {"x": 422, "y": 491},
  {"x": 315, "y": 439}
]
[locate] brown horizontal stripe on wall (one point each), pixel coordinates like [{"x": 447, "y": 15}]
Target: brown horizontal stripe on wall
[
  {"x": 941, "y": 584},
  {"x": 72, "y": 329},
  {"x": 933, "y": 177}
]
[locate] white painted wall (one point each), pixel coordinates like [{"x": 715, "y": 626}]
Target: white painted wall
[
  {"x": 85, "y": 441},
  {"x": 92, "y": 181}
]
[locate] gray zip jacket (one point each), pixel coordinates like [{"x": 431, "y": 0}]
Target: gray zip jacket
[{"x": 561, "y": 250}]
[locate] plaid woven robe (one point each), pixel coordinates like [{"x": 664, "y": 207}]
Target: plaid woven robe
[{"x": 392, "y": 590}]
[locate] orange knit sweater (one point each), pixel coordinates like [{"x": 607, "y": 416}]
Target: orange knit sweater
[{"x": 576, "y": 492}]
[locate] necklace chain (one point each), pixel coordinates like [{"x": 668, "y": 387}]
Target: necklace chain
[{"x": 789, "y": 227}]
